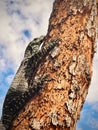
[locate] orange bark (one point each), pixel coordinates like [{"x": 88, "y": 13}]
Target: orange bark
[{"x": 69, "y": 69}]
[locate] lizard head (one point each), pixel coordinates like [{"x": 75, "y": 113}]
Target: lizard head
[{"x": 33, "y": 46}]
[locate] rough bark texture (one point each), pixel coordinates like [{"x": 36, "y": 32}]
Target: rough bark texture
[{"x": 68, "y": 67}]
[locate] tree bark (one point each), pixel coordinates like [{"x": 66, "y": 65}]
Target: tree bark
[{"x": 68, "y": 68}]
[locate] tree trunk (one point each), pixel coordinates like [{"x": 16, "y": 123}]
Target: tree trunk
[{"x": 68, "y": 68}]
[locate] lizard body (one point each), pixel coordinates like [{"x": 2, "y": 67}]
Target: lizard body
[{"x": 20, "y": 90}]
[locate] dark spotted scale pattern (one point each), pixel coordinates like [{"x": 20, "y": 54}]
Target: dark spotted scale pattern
[{"x": 20, "y": 90}]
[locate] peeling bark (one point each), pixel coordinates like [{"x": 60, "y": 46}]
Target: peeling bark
[{"x": 68, "y": 67}]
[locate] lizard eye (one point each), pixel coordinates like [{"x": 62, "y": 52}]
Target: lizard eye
[{"x": 35, "y": 39}]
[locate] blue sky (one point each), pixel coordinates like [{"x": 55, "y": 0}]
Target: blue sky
[{"x": 20, "y": 22}]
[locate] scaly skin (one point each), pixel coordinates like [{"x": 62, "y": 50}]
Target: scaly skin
[{"x": 20, "y": 90}]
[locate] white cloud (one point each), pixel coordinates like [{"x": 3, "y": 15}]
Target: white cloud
[
  {"x": 2, "y": 65},
  {"x": 93, "y": 90},
  {"x": 15, "y": 19}
]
